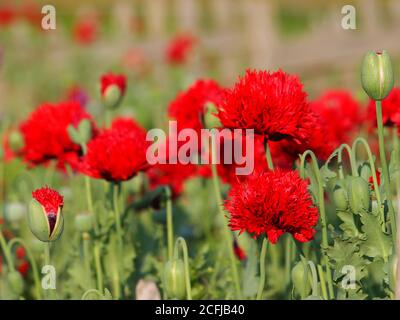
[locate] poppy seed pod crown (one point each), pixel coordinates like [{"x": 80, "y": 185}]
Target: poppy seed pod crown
[{"x": 45, "y": 217}]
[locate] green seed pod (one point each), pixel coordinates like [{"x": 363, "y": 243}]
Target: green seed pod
[
  {"x": 16, "y": 282},
  {"x": 299, "y": 272},
  {"x": 45, "y": 226},
  {"x": 174, "y": 279},
  {"x": 84, "y": 222},
  {"x": 15, "y": 141},
  {"x": 210, "y": 119},
  {"x": 377, "y": 74},
  {"x": 14, "y": 211},
  {"x": 339, "y": 196},
  {"x": 365, "y": 171},
  {"x": 359, "y": 195},
  {"x": 112, "y": 96}
]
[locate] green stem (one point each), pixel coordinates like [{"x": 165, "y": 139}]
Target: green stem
[
  {"x": 90, "y": 291},
  {"x": 46, "y": 263},
  {"x": 263, "y": 255},
  {"x": 36, "y": 277},
  {"x": 86, "y": 256},
  {"x": 99, "y": 272},
  {"x": 315, "y": 291},
  {"x": 288, "y": 260},
  {"x": 268, "y": 155},
  {"x": 227, "y": 233},
  {"x": 117, "y": 216},
  {"x": 323, "y": 282},
  {"x": 180, "y": 242},
  {"x": 378, "y": 195},
  {"x": 385, "y": 169},
  {"x": 7, "y": 253},
  {"x": 170, "y": 225},
  {"x": 321, "y": 205}
]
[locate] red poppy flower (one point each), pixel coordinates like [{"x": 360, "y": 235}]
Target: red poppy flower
[
  {"x": 23, "y": 268},
  {"x": 189, "y": 106},
  {"x": 272, "y": 103},
  {"x": 273, "y": 203},
  {"x": 169, "y": 172},
  {"x": 239, "y": 252},
  {"x": 378, "y": 178},
  {"x": 8, "y": 14},
  {"x": 113, "y": 79},
  {"x": 31, "y": 12},
  {"x": 118, "y": 153},
  {"x": 85, "y": 30},
  {"x": 45, "y": 132},
  {"x": 179, "y": 48},
  {"x": 390, "y": 109},
  {"x": 340, "y": 114},
  {"x": 20, "y": 252}
]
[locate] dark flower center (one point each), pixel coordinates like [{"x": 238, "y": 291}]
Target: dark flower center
[{"x": 52, "y": 217}]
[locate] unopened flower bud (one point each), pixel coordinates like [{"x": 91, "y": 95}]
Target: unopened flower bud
[
  {"x": 174, "y": 279},
  {"x": 14, "y": 211},
  {"x": 84, "y": 222},
  {"x": 15, "y": 141},
  {"x": 210, "y": 119},
  {"x": 16, "y": 282},
  {"x": 45, "y": 217},
  {"x": 112, "y": 89},
  {"x": 377, "y": 74},
  {"x": 359, "y": 195},
  {"x": 339, "y": 196},
  {"x": 299, "y": 272}
]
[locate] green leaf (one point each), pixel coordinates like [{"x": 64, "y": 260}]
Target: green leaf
[
  {"x": 348, "y": 225},
  {"x": 249, "y": 277},
  {"x": 377, "y": 244}
]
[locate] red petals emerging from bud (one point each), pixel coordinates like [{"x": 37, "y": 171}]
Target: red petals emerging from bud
[
  {"x": 118, "y": 153},
  {"x": 113, "y": 79},
  {"x": 50, "y": 199},
  {"x": 273, "y": 203}
]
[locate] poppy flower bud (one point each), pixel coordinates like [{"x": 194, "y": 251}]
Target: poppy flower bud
[
  {"x": 365, "y": 172},
  {"x": 112, "y": 89},
  {"x": 339, "y": 196},
  {"x": 45, "y": 218},
  {"x": 174, "y": 279},
  {"x": 210, "y": 119},
  {"x": 16, "y": 282},
  {"x": 14, "y": 212},
  {"x": 82, "y": 133},
  {"x": 359, "y": 195},
  {"x": 15, "y": 141},
  {"x": 84, "y": 222},
  {"x": 299, "y": 272},
  {"x": 377, "y": 74}
]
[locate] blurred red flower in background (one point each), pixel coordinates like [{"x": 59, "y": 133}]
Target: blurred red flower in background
[
  {"x": 85, "y": 30},
  {"x": 390, "y": 110},
  {"x": 239, "y": 252},
  {"x": 8, "y": 14},
  {"x": 118, "y": 153},
  {"x": 340, "y": 114},
  {"x": 189, "y": 106},
  {"x": 45, "y": 132},
  {"x": 179, "y": 49},
  {"x": 273, "y": 203},
  {"x": 77, "y": 94}
]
